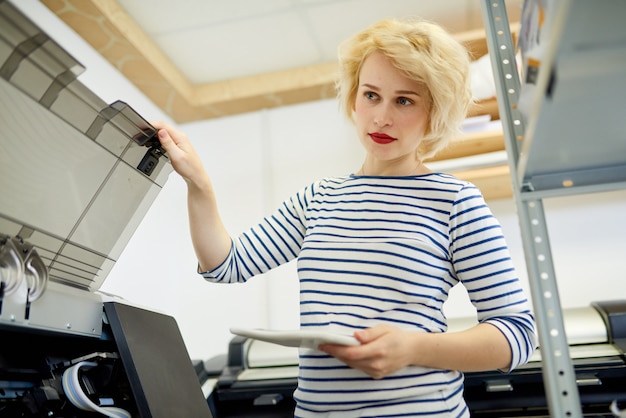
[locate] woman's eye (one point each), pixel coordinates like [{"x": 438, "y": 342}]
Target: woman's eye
[
  {"x": 404, "y": 101},
  {"x": 371, "y": 95}
]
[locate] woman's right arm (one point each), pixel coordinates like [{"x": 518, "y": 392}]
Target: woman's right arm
[{"x": 210, "y": 239}]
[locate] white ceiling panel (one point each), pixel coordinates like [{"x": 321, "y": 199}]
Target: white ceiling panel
[
  {"x": 214, "y": 53},
  {"x": 165, "y": 17},
  {"x": 216, "y": 40}
]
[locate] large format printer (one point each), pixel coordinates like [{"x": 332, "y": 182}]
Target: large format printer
[
  {"x": 257, "y": 378},
  {"x": 76, "y": 178}
]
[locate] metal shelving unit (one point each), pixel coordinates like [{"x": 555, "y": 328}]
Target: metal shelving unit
[{"x": 570, "y": 140}]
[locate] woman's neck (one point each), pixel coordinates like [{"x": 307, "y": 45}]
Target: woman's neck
[{"x": 393, "y": 170}]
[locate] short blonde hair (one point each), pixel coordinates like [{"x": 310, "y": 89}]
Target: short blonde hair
[{"x": 427, "y": 54}]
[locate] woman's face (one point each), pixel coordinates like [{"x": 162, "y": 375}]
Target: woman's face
[{"x": 391, "y": 116}]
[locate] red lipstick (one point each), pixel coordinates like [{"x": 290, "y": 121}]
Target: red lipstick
[{"x": 381, "y": 138}]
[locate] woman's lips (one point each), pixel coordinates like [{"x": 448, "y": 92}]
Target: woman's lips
[{"x": 381, "y": 138}]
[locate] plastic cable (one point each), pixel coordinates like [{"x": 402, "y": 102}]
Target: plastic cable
[
  {"x": 616, "y": 411},
  {"x": 76, "y": 395}
]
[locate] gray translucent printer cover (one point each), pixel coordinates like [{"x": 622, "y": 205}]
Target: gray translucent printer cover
[{"x": 77, "y": 175}]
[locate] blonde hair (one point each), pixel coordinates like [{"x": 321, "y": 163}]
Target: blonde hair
[{"x": 427, "y": 54}]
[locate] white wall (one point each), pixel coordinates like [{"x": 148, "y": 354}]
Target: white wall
[{"x": 258, "y": 159}]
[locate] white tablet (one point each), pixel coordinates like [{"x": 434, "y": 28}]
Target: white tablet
[{"x": 296, "y": 338}]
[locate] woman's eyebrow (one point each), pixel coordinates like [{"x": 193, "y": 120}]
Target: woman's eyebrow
[
  {"x": 369, "y": 86},
  {"x": 404, "y": 92},
  {"x": 407, "y": 92}
]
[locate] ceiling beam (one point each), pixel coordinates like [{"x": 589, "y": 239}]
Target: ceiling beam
[{"x": 108, "y": 28}]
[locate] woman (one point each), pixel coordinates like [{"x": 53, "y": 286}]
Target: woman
[{"x": 379, "y": 250}]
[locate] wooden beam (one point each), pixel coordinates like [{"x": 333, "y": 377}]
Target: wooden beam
[
  {"x": 106, "y": 26},
  {"x": 476, "y": 40},
  {"x": 493, "y": 182},
  {"x": 473, "y": 144},
  {"x": 485, "y": 107}
]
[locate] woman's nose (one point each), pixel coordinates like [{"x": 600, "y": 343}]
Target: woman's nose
[{"x": 383, "y": 116}]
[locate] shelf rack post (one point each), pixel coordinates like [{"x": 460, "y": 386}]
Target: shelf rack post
[{"x": 558, "y": 372}]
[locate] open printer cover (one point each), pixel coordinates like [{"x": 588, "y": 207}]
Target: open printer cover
[{"x": 77, "y": 176}]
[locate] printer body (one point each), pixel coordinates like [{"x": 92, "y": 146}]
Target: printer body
[
  {"x": 257, "y": 379},
  {"x": 77, "y": 175}
]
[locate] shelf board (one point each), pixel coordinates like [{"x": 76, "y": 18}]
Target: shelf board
[
  {"x": 473, "y": 144},
  {"x": 494, "y": 182},
  {"x": 485, "y": 107},
  {"x": 576, "y": 128}
]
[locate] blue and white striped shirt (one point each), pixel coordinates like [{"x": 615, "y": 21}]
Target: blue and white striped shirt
[{"x": 386, "y": 250}]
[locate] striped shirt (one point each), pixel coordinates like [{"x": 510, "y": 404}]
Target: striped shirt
[{"x": 386, "y": 250}]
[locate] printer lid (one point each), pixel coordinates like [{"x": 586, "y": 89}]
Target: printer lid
[{"x": 76, "y": 175}]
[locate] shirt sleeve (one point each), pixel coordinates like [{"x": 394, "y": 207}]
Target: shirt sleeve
[
  {"x": 274, "y": 241},
  {"x": 483, "y": 264}
]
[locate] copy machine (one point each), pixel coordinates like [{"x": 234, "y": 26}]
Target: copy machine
[
  {"x": 76, "y": 178},
  {"x": 256, "y": 378}
]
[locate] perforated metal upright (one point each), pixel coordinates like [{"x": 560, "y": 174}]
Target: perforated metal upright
[{"x": 558, "y": 372}]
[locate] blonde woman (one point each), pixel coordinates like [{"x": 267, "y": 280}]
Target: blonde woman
[{"x": 378, "y": 250}]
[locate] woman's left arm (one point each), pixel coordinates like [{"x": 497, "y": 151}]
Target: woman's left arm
[{"x": 386, "y": 349}]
